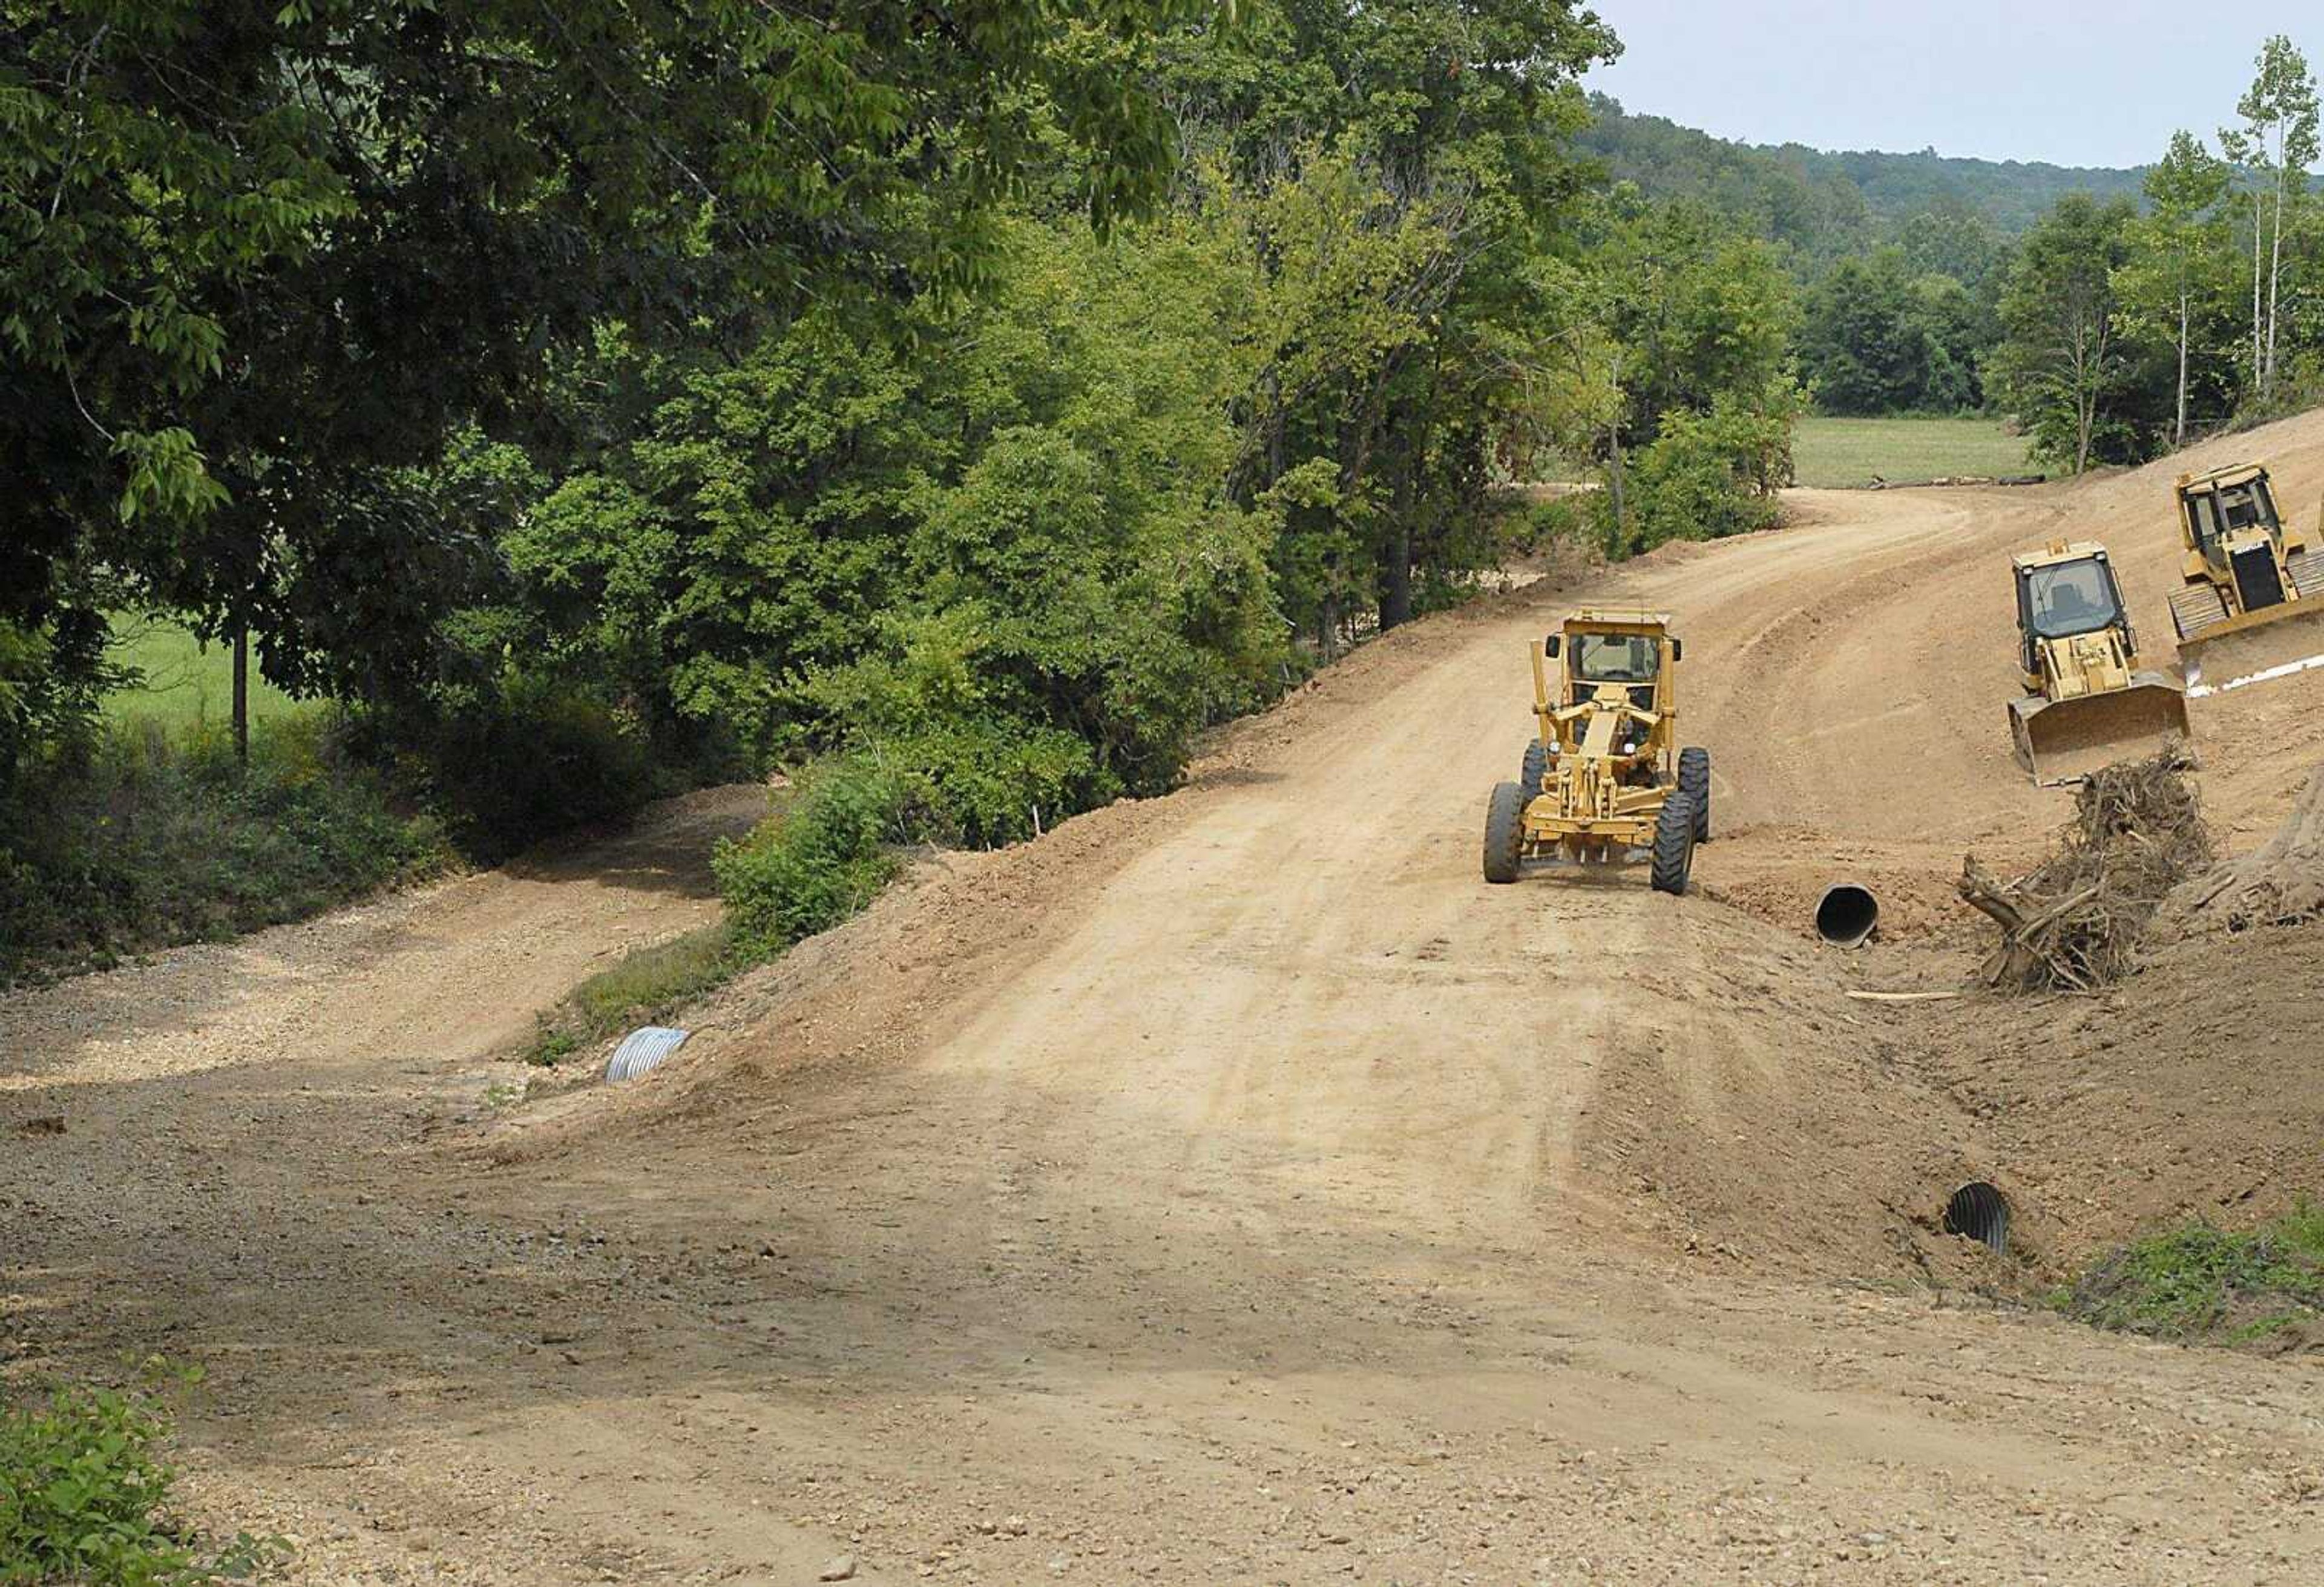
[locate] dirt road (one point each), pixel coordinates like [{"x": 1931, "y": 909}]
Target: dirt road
[{"x": 1228, "y": 1188}]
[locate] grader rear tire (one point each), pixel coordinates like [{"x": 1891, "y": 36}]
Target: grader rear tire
[
  {"x": 1674, "y": 851},
  {"x": 1694, "y": 777},
  {"x": 1504, "y": 831}
]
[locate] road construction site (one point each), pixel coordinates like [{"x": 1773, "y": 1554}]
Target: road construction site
[{"x": 1233, "y": 1186}]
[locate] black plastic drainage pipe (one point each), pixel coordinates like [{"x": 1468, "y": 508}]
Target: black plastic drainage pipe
[
  {"x": 1981, "y": 1212},
  {"x": 1847, "y": 914}
]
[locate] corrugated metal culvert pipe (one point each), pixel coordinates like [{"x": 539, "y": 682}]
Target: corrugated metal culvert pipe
[
  {"x": 643, "y": 1051},
  {"x": 1847, "y": 914},
  {"x": 1981, "y": 1212}
]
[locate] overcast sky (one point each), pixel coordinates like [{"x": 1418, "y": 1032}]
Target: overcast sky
[{"x": 2074, "y": 82}]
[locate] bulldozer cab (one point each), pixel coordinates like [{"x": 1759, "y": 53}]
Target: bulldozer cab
[
  {"x": 2061, "y": 598},
  {"x": 2219, "y": 509},
  {"x": 2086, "y": 702}
]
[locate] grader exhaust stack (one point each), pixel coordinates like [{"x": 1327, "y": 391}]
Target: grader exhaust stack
[
  {"x": 2250, "y": 607},
  {"x": 2088, "y": 702}
]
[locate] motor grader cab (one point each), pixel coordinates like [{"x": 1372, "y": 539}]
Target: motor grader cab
[
  {"x": 2087, "y": 703},
  {"x": 1603, "y": 781},
  {"x": 2250, "y": 607}
]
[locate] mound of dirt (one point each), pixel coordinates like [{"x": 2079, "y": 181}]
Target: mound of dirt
[
  {"x": 2279, "y": 884},
  {"x": 2190, "y": 1091}
]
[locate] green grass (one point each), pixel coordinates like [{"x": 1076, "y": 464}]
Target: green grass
[
  {"x": 184, "y": 682},
  {"x": 2196, "y": 1281},
  {"x": 645, "y": 989},
  {"x": 1840, "y": 453}
]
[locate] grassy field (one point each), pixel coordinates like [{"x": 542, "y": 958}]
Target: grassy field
[
  {"x": 187, "y": 684},
  {"x": 1850, "y": 452}
]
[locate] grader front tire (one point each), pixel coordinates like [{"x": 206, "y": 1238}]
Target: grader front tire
[
  {"x": 1504, "y": 831},
  {"x": 1674, "y": 850},
  {"x": 1533, "y": 768},
  {"x": 1694, "y": 777}
]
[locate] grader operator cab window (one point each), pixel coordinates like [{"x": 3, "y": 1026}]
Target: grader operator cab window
[{"x": 1617, "y": 658}]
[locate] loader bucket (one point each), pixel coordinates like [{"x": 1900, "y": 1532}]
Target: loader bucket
[
  {"x": 2257, "y": 647},
  {"x": 2065, "y": 740}
]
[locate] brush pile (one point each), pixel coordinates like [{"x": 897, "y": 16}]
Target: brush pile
[
  {"x": 2074, "y": 923},
  {"x": 2279, "y": 884}
]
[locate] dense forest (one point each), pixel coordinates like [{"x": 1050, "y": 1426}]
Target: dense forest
[
  {"x": 960, "y": 405},
  {"x": 1825, "y": 205},
  {"x": 2112, "y": 313}
]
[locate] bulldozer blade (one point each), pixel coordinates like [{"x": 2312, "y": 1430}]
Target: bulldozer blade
[
  {"x": 2063, "y": 741},
  {"x": 2257, "y": 647}
]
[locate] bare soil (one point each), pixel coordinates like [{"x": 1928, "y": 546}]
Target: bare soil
[{"x": 1232, "y": 1186}]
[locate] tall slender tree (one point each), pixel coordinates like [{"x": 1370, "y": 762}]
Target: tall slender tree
[
  {"x": 2063, "y": 356},
  {"x": 2175, "y": 248},
  {"x": 2275, "y": 146}
]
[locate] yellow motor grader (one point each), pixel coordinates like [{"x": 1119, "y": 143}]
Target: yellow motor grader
[
  {"x": 2249, "y": 583},
  {"x": 1602, "y": 782},
  {"x": 2088, "y": 702}
]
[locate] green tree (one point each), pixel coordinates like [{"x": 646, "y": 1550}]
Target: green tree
[
  {"x": 2176, "y": 252},
  {"x": 2275, "y": 146},
  {"x": 1451, "y": 115},
  {"x": 2063, "y": 358},
  {"x": 259, "y": 259},
  {"x": 1862, "y": 344}
]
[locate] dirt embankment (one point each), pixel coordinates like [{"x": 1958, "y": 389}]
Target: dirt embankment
[{"x": 1230, "y": 1186}]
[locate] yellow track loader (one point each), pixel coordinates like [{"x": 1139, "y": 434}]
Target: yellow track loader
[
  {"x": 2253, "y": 590},
  {"x": 1602, "y": 782},
  {"x": 2087, "y": 703}
]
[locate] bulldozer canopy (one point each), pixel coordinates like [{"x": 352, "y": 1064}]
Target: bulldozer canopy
[{"x": 2069, "y": 598}]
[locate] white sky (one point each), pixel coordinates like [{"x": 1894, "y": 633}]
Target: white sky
[{"x": 2073, "y": 82}]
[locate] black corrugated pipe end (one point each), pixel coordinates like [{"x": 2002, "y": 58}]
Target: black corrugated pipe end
[
  {"x": 1847, "y": 914},
  {"x": 1980, "y": 1212}
]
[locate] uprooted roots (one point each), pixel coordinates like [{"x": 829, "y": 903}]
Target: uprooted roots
[{"x": 2075, "y": 922}]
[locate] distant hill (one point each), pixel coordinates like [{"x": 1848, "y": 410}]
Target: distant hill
[{"x": 1826, "y": 204}]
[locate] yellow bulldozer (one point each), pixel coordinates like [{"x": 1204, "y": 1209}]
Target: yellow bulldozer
[
  {"x": 2088, "y": 702},
  {"x": 2252, "y": 586},
  {"x": 1603, "y": 781}
]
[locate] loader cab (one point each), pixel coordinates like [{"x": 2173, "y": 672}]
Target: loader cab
[{"x": 2069, "y": 592}]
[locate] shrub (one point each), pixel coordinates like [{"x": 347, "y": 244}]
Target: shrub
[
  {"x": 84, "y": 1497},
  {"x": 144, "y": 840},
  {"x": 815, "y": 863},
  {"x": 525, "y": 760},
  {"x": 1705, "y": 477}
]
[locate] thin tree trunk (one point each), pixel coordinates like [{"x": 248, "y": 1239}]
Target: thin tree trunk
[
  {"x": 1614, "y": 459},
  {"x": 2274, "y": 276},
  {"x": 2258, "y": 229},
  {"x": 2179, "y": 435}
]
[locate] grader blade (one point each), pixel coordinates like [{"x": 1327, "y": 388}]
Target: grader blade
[
  {"x": 2260, "y": 647},
  {"x": 2063, "y": 741}
]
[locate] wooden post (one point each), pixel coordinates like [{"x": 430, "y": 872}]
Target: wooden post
[{"x": 242, "y": 690}]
